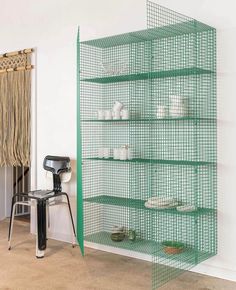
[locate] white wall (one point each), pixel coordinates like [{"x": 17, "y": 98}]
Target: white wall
[
  {"x": 6, "y": 191},
  {"x": 51, "y": 26}
]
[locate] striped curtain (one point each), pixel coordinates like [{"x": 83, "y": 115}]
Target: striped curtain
[{"x": 15, "y": 103}]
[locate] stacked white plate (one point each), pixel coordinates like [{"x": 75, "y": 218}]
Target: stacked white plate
[
  {"x": 162, "y": 202},
  {"x": 186, "y": 208}
]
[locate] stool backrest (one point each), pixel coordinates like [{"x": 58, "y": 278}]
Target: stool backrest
[{"x": 57, "y": 165}]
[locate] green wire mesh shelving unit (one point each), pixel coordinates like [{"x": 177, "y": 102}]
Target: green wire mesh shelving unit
[{"x": 173, "y": 157}]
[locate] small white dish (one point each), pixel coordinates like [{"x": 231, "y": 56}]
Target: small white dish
[{"x": 186, "y": 208}]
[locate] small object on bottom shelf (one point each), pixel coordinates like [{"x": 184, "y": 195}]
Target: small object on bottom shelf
[
  {"x": 117, "y": 237},
  {"x": 173, "y": 247},
  {"x": 118, "y": 233},
  {"x": 132, "y": 235}
]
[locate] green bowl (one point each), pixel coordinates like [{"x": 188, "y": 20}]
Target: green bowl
[
  {"x": 117, "y": 237},
  {"x": 173, "y": 244}
]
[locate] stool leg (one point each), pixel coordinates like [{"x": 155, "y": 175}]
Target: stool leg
[
  {"x": 72, "y": 221},
  {"x": 13, "y": 208},
  {"x": 47, "y": 219},
  {"x": 38, "y": 253}
]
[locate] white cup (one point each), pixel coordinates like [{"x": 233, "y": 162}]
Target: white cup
[
  {"x": 116, "y": 115},
  {"x": 161, "y": 112},
  {"x": 116, "y": 153},
  {"x": 108, "y": 115},
  {"x": 106, "y": 152},
  {"x": 100, "y": 152},
  {"x": 100, "y": 115},
  {"x": 124, "y": 153},
  {"x": 178, "y": 107},
  {"x": 130, "y": 153},
  {"x": 117, "y": 106},
  {"x": 124, "y": 114}
]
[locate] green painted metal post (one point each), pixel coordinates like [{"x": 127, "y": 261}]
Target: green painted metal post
[{"x": 80, "y": 217}]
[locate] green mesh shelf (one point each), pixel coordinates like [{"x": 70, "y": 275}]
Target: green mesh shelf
[
  {"x": 165, "y": 31},
  {"x": 170, "y": 67},
  {"x": 139, "y": 204},
  {"x": 142, "y": 246},
  {"x": 148, "y": 75},
  {"x": 153, "y": 120},
  {"x": 157, "y": 161},
  {"x": 189, "y": 255}
]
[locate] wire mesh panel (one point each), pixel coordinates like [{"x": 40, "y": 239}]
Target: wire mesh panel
[
  {"x": 148, "y": 127},
  {"x": 185, "y": 140}
]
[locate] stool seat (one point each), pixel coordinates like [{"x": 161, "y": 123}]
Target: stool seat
[{"x": 41, "y": 194}]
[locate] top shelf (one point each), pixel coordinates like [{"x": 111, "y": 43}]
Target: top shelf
[
  {"x": 148, "y": 75},
  {"x": 172, "y": 30}
]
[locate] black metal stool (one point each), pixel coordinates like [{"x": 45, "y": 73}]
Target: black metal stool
[{"x": 41, "y": 200}]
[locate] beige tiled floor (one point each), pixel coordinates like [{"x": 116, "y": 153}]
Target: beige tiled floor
[{"x": 63, "y": 268}]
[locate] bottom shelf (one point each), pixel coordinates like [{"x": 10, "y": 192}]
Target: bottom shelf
[{"x": 188, "y": 257}]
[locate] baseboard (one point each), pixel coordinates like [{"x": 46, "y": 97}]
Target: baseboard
[
  {"x": 118, "y": 251},
  {"x": 59, "y": 237},
  {"x": 214, "y": 271}
]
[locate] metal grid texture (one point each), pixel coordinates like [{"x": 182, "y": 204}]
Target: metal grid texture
[{"x": 165, "y": 76}]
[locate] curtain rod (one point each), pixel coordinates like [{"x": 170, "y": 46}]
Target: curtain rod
[
  {"x": 20, "y": 68},
  {"x": 14, "y": 53}
]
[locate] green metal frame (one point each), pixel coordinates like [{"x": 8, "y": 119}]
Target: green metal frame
[
  {"x": 173, "y": 157},
  {"x": 80, "y": 216}
]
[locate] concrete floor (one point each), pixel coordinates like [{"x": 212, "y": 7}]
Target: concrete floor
[{"x": 63, "y": 268}]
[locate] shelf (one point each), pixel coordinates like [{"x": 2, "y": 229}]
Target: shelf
[
  {"x": 148, "y": 247},
  {"x": 139, "y": 204},
  {"x": 148, "y": 75},
  {"x": 184, "y": 27},
  {"x": 168, "y": 119},
  {"x": 155, "y": 161}
]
